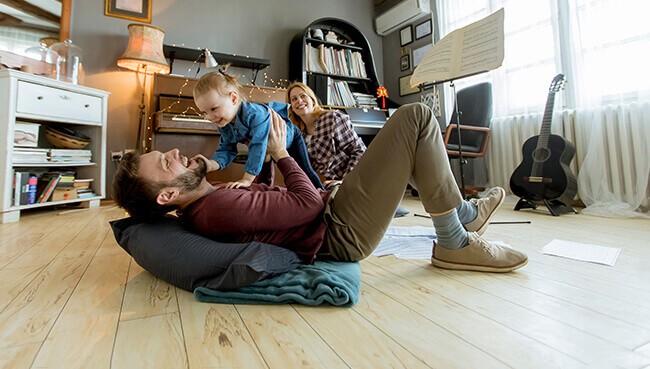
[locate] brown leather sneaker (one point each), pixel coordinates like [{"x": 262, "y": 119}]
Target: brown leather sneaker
[
  {"x": 479, "y": 255},
  {"x": 487, "y": 206}
]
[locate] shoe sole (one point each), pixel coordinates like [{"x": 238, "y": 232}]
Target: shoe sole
[
  {"x": 476, "y": 268},
  {"x": 482, "y": 229}
]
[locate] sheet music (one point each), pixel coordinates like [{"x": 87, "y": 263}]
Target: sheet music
[{"x": 475, "y": 48}]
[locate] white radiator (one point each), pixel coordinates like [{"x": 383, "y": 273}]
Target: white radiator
[{"x": 612, "y": 158}]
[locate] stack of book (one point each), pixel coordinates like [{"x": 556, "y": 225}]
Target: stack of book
[
  {"x": 70, "y": 156},
  {"x": 22, "y": 155},
  {"x": 365, "y": 100},
  {"x": 83, "y": 188},
  {"x": 56, "y": 186},
  {"x": 65, "y": 189}
]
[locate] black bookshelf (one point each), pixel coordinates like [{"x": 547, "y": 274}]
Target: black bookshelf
[{"x": 353, "y": 40}]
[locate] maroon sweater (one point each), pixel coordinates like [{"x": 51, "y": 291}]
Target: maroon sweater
[{"x": 290, "y": 217}]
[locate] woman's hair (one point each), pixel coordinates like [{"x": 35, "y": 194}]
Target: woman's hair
[
  {"x": 318, "y": 109},
  {"x": 133, "y": 193},
  {"x": 219, "y": 80}
]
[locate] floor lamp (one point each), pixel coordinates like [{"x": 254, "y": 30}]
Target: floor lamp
[{"x": 144, "y": 54}]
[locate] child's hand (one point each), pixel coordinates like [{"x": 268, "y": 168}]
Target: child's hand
[
  {"x": 242, "y": 183},
  {"x": 246, "y": 181},
  {"x": 210, "y": 164}
]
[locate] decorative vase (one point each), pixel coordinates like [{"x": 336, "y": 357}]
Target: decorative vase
[{"x": 68, "y": 65}]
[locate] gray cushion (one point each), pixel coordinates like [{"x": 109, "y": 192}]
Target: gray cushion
[{"x": 187, "y": 260}]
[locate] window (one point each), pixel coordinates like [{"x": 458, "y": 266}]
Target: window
[{"x": 602, "y": 46}]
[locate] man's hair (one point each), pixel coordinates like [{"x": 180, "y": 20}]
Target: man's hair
[
  {"x": 318, "y": 109},
  {"x": 133, "y": 193}
]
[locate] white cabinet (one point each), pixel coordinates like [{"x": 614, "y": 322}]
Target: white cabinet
[{"x": 36, "y": 99}]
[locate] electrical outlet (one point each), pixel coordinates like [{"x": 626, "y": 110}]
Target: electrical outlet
[{"x": 116, "y": 155}]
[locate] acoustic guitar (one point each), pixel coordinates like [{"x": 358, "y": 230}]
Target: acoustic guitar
[{"x": 544, "y": 174}]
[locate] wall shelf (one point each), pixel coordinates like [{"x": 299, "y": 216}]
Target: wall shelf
[{"x": 182, "y": 53}]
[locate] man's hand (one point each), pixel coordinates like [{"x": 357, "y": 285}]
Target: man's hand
[
  {"x": 277, "y": 144},
  {"x": 210, "y": 164}
]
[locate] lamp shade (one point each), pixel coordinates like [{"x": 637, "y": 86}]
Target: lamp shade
[{"x": 145, "y": 50}]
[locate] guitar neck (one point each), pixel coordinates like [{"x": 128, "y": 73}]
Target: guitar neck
[{"x": 545, "y": 131}]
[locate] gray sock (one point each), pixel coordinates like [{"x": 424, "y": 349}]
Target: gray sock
[
  {"x": 450, "y": 232},
  {"x": 467, "y": 212}
]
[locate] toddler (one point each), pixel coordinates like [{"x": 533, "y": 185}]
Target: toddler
[{"x": 217, "y": 95}]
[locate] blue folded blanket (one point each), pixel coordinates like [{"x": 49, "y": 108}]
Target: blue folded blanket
[{"x": 324, "y": 282}]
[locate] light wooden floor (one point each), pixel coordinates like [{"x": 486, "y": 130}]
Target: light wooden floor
[{"x": 71, "y": 298}]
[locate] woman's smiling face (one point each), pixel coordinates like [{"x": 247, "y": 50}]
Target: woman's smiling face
[{"x": 301, "y": 103}]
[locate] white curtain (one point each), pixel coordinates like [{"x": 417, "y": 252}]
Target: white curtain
[{"x": 603, "y": 48}]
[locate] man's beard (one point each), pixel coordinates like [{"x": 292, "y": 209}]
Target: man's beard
[{"x": 191, "y": 180}]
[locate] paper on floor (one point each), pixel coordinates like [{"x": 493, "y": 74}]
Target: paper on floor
[
  {"x": 407, "y": 243},
  {"x": 582, "y": 251}
]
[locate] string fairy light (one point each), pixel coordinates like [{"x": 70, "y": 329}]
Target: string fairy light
[{"x": 191, "y": 112}]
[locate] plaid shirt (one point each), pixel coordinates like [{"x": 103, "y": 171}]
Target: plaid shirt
[{"x": 334, "y": 147}]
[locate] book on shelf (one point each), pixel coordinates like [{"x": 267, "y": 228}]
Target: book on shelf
[
  {"x": 328, "y": 60},
  {"x": 24, "y": 188},
  {"x": 475, "y": 48},
  {"x": 48, "y": 182}
]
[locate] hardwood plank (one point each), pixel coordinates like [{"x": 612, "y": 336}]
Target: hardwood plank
[
  {"x": 14, "y": 281},
  {"x": 286, "y": 340},
  {"x": 26, "y": 236},
  {"x": 425, "y": 339},
  {"x": 585, "y": 347},
  {"x": 19, "y": 357},
  {"x": 215, "y": 335},
  {"x": 558, "y": 306},
  {"x": 359, "y": 343},
  {"x": 155, "y": 342},
  {"x": 90, "y": 317},
  {"x": 507, "y": 344},
  {"x": 67, "y": 228},
  {"x": 31, "y": 315},
  {"x": 146, "y": 295}
]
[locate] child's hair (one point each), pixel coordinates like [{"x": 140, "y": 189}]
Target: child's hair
[
  {"x": 221, "y": 81},
  {"x": 318, "y": 109}
]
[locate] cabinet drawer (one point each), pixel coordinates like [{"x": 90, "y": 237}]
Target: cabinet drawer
[{"x": 56, "y": 104}]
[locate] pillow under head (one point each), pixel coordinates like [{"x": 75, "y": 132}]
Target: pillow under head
[{"x": 187, "y": 260}]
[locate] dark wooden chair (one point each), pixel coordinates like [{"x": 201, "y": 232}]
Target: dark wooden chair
[{"x": 475, "y": 107}]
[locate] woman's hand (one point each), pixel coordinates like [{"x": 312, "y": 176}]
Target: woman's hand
[
  {"x": 277, "y": 143},
  {"x": 331, "y": 183}
]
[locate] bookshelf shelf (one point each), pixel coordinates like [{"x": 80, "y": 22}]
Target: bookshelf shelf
[
  {"x": 27, "y": 98},
  {"x": 341, "y": 77},
  {"x": 333, "y": 44}
]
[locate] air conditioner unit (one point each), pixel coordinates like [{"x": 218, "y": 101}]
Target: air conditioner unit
[{"x": 406, "y": 11}]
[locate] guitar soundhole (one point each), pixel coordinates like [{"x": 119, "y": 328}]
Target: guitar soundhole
[{"x": 540, "y": 155}]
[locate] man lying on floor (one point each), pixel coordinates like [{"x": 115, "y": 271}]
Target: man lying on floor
[{"x": 343, "y": 224}]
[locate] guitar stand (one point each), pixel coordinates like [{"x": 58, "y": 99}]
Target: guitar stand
[{"x": 555, "y": 207}]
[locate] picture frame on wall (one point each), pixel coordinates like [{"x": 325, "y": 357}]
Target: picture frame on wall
[
  {"x": 405, "y": 86},
  {"x": 423, "y": 29},
  {"x": 406, "y": 35},
  {"x": 404, "y": 63},
  {"x": 137, "y": 10}
]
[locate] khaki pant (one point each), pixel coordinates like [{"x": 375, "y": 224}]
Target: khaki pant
[{"x": 409, "y": 148}]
